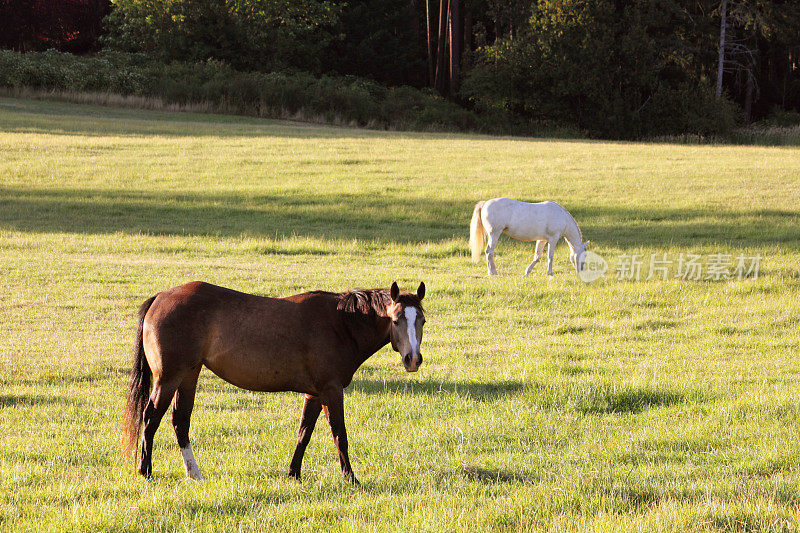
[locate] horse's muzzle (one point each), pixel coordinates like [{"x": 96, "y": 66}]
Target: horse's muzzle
[{"x": 412, "y": 364}]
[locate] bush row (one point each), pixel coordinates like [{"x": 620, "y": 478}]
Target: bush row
[
  {"x": 349, "y": 100},
  {"x": 216, "y": 86}
]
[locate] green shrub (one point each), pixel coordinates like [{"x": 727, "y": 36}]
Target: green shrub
[
  {"x": 780, "y": 117},
  {"x": 676, "y": 109},
  {"x": 597, "y": 66},
  {"x": 687, "y": 108},
  {"x": 216, "y": 83}
]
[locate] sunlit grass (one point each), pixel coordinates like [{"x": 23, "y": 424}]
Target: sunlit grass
[{"x": 542, "y": 404}]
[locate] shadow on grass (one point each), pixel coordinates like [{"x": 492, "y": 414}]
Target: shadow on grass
[
  {"x": 655, "y": 325},
  {"x": 57, "y": 118},
  {"x": 388, "y": 216},
  {"x": 639, "y": 498},
  {"x": 30, "y": 400},
  {"x": 37, "y": 115},
  {"x": 608, "y": 400},
  {"x": 52, "y": 117},
  {"x": 646, "y": 495},
  {"x": 475, "y": 390},
  {"x": 331, "y": 216},
  {"x": 60, "y": 378},
  {"x": 232, "y": 506},
  {"x": 585, "y": 397},
  {"x": 487, "y": 475},
  {"x": 743, "y": 519}
]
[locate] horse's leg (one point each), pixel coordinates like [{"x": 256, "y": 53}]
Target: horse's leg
[
  {"x": 551, "y": 250},
  {"x": 333, "y": 404},
  {"x": 493, "y": 237},
  {"x": 311, "y": 408},
  {"x": 158, "y": 404},
  {"x": 538, "y": 255},
  {"x": 181, "y": 416}
]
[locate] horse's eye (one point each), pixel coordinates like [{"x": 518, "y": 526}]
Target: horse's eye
[{"x": 395, "y": 322}]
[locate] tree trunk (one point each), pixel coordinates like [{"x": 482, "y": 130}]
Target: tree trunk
[
  {"x": 431, "y": 78},
  {"x": 468, "y": 31},
  {"x": 751, "y": 78},
  {"x": 439, "y": 83},
  {"x": 721, "y": 61},
  {"x": 454, "y": 19}
]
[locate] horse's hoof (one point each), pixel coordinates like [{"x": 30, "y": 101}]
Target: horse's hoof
[{"x": 294, "y": 474}]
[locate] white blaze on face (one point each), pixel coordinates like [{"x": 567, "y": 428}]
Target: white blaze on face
[
  {"x": 411, "y": 323},
  {"x": 192, "y": 469}
]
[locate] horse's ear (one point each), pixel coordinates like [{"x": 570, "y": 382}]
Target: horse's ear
[
  {"x": 421, "y": 290},
  {"x": 587, "y": 243},
  {"x": 394, "y": 291}
]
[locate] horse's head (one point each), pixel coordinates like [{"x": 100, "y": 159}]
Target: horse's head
[
  {"x": 578, "y": 256},
  {"x": 408, "y": 318}
]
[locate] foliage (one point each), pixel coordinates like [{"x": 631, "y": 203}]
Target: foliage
[
  {"x": 56, "y": 70},
  {"x": 248, "y": 34},
  {"x": 379, "y": 39},
  {"x": 597, "y": 66},
  {"x": 374, "y": 39},
  {"x": 687, "y": 107},
  {"x": 779, "y": 117},
  {"x": 331, "y": 99}
]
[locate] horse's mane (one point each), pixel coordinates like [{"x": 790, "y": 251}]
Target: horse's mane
[
  {"x": 365, "y": 302},
  {"x": 580, "y": 233},
  {"x": 370, "y": 304}
]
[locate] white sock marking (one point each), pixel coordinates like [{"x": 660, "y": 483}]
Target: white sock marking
[{"x": 192, "y": 469}]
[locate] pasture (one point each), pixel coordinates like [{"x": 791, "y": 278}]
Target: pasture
[{"x": 542, "y": 403}]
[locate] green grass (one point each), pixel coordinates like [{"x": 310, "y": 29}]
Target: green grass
[{"x": 542, "y": 404}]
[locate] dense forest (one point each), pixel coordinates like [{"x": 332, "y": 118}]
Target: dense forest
[{"x": 608, "y": 67}]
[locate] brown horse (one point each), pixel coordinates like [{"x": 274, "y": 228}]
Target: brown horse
[{"x": 310, "y": 343}]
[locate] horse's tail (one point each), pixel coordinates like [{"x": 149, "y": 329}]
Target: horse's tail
[
  {"x": 138, "y": 389},
  {"x": 477, "y": 235}
]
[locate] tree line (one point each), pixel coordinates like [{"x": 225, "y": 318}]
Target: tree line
[{"x": 610, "y": 67}]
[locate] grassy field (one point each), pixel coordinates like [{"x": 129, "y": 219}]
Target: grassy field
[{"x": 542, "y": 404}]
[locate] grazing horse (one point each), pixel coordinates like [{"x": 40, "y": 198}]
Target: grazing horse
[
  {"x": 543, "y": 222},
  {"x": 310, "y": 343}
]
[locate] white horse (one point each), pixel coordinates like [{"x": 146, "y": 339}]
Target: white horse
[{"x": 543, "y": 222}]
